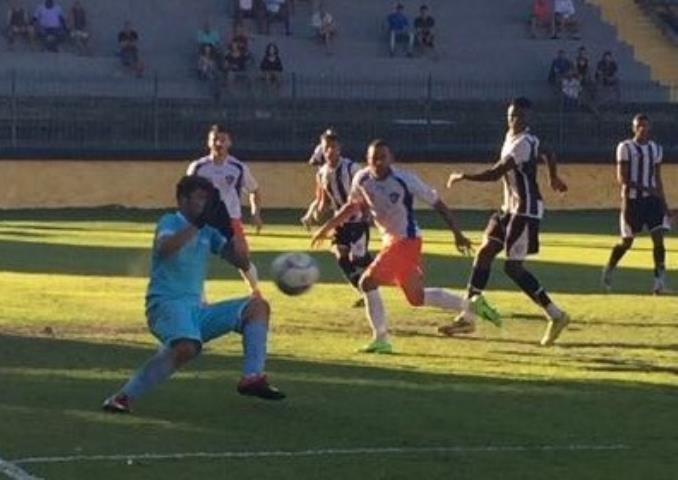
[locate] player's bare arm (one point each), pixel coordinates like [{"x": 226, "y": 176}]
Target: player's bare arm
[
  {"x": 346, "y": 212},
  {"x": 498, "y": 170},
  {"x": 255, "y": 205},
  {"x": 235, "y": 256},
  {"x": 169, "y": 245},
  {"x": 463, "y": 244},
  {"x": 549, "y": 158}
]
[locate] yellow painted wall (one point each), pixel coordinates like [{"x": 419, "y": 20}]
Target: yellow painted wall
[{"x": 142, "y": 184}]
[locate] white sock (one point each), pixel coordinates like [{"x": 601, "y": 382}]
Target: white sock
[
  {"x": 251, "y": 277},
  {"x": 441, "y": 298},
  {"x": 374, "y": 307}
]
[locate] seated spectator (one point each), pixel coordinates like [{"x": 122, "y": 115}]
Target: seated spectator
[
  {"x": 399, "y": 29},
  {"x": 128, "y": 39},
  {"x": 50, "y": 25},
  {"x": 571, "y": 89},
  {"x": 207, "y": 62},
  {"x": 78, "y": 24},
  {"x": 236, "y": 63},
  {"x": 581, "y": 64},
  {"x": 323, "y": 25},
  {"x": 252, "y": 9},
  {"x": 271, "y": 66},
  {"x": 423, "y": 28},
  {"x": 277, "y": 10},
  {"x": 208, "y": 36},
  {"x": 17, "y": 24},
  {"x": 541, "y": 17},
  {"x": 241, "y": 38},
  {"x": 560, "y": 66},
  {"x": 564, "y": 19},
  {"x": 606, "y": 76}
]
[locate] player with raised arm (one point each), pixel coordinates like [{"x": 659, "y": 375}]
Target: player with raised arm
[
  {"x": 389, "y": 193},
  {"x": 333, "y": 186},
  {"x": 232, "y": 178},
  {"x": 176, "y": 315},
  {"x": 639, "y": 175},
  {"x": 515, "y": 229}
]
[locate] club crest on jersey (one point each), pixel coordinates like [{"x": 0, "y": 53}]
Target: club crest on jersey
[
  {"x": 229, "y": 179},
  {"x": 394, "y": 197}
]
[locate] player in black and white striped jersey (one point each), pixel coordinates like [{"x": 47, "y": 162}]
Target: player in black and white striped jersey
[
  {"x": 644, "y": 205},
  {"x": 515, "y": 228},
  {"x": 333, "y": 186}
]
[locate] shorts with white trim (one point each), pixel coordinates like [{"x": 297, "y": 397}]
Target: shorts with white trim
[
  {"x": 517, "y": 233},
  {"x": 355, "y": 236},
  {"x": 638, "y": 213}
]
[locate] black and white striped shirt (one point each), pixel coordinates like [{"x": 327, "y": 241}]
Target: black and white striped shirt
[
  {"x": 336, "y": 182},
  {"x": 642, "y": 160},
  {"x": 521, "y": 190}
]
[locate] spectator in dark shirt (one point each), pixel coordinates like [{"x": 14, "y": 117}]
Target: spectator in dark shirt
[
  {"x": 17, "y": 24},
  {"x": 128, "y": 52},
  {"x": 423, "y": 28},
  {"x": 241, "y": 38},
  {"x": 581, "y": 64},
  {"x": 271, "y": 65},
  {"x": 78, "y": 25},
  {"x": 606, "y": 76},
  {"x": 253, "y": 9},
  {"x": 399, "y": 29},
  {"x": 277, "y": 10},
  {"x": 559, "y": 68},
  {"x": 236, "y": 62}
]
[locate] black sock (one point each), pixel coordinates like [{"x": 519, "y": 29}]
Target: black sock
[
  {"x": 659, "y": 254},
  {"x": 530, "y": 285},
  {"x": 478, "y": 281},
  {"x": 618, "y": 252},
  {"x": 349, "y": 270}
]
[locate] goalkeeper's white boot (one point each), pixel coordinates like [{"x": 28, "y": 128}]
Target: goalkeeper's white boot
[{"x": 119, "y": 403}]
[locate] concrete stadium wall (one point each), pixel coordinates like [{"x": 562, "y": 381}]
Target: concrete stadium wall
[{"x": 150, "y": 184}]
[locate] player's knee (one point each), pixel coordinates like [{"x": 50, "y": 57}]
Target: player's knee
[
  {"x": 185, "y": 350},
  {"x": 625, "y": 243},
  {"x": 513, "y": 268},
  {"x": 367, "y": 284},
  {"x": 258, "y": 310}
]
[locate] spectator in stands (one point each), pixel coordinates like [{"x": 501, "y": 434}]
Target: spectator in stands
[
  {"x": 271, "y": 65},
  {"x": 207, "y": 62},
  {"x": 571, "y": 89},
  {"x": 399, "y": 29},
  {"x": 128, "y": 40},
  {"x": 423, "y": 29},
  {"x": 50, "y": 25},
  {"x": 581, "y": 64},
  {"x": 559, "y": 68},
  {"x": 236, "y": 63},
  {"x": 323, "y": 25},
  {"x": 78, "y": 27},
  {"x": 208, "y": 36},
  {"x": 241, "y": 38},
  {"x": 277, "y": 10},
  {"x": 17, "y": 24},
  {"x": 606, "y": 77},
  {"x": 541, "y": 17},
  {"x": 252, "y": 9},
  {"x": 564, "y": 19}
]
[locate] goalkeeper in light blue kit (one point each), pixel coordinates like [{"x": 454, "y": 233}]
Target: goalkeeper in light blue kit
[{"x": 175, "y": 312}]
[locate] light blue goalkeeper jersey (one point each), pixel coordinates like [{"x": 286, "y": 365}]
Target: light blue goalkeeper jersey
[{"x": 182, "y": 275}]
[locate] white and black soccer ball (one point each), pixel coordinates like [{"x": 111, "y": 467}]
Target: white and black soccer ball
[{"x": 294, "y": 273}]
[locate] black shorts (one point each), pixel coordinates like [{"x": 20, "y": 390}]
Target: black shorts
[
  {"x": 638, "y": 213},
  {"x": 517, "y": 233},
  {"x": 355, "y": 236}
]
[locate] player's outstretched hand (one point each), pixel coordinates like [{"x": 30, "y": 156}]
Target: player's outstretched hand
[
  {"x": 455, "y": 177},
  {"x": 464, "y": 245},
  {"x": 558, "y": 185},
  {"x": 257, "y": 222},
  {"x": 317, "y": 239}
]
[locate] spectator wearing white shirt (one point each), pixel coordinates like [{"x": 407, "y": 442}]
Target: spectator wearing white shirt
[
  {"x": 564, "y": 19},
  {"x": 50, "y": 25},
  {"x": 252, "y": 9},
  {"x": 571, "y": 89},
  {"x": 324, "y": 26},
  {"x": 277, "y": 10}
]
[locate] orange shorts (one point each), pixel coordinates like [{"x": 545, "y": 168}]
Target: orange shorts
[{"x": 397, "y": 262}]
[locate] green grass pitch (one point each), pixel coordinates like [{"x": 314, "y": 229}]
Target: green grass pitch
[{"x": 72, "y": 329}]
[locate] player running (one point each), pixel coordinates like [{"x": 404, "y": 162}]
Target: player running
[
  {"x": 388, "y": 193},
  {"x": 232, "y": 177},
  {"x": 333, "y": 186},
  {"x": 515, "y": 228},
  {"x": 317, "y": 160},
  {"x": 176, "y": 315},
  {"x": 643, "y": 201}
]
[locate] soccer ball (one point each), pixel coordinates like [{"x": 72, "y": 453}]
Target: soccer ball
[{"x": 294, "y": 273}]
